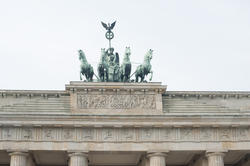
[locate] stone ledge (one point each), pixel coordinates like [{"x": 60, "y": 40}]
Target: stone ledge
[
  {"x": 208, "y": 94},
  {"x": 33, "y": 93},
  {"x": 115, "y": 86}
]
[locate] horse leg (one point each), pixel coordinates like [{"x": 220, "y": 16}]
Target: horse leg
[
  {"x": 80, "y": 76},
  {"x": 151, "y": 73},
  {"x": 91, "y": 77},
  {"x": 86, "y": 78},
  {"x": 142, "y": 78},
  {"x": 107, "y": 76},
  {"x": 122, "y": 77},
  {"x": 103, "y": 77},
  {"x": 126, "y": 78}
]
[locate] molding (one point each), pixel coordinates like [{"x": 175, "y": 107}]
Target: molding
[
  {"x": 207, "y": 94},
  {"x": 116, "y": 87},
  {"x": 32, "y": 93}
]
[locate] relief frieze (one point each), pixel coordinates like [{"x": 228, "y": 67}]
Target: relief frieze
[
  {"x": 187, "y": 134},
  {"x": 114, "y": 101},
  {"x": 88, "y": 134},
  {"x": 225, "y": 134},
  {"x": 27, "y": 133},
  {"x": 110, "y": 134},
  {"x": 9, "y": 133},
  {"x": 49, "y": 134},
  {"x": 147, "y": 134},
  {"x": 168, "y": 134},
  {"x": 206, "y": 134},
  {"x": 127, "y": 134},
  {"x": 68, "y": 134}
]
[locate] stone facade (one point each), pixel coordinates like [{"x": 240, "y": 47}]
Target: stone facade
[{"x": 133, "y": 124}]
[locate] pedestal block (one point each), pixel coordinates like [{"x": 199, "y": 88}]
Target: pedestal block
[{"x": 115, "y": 98}]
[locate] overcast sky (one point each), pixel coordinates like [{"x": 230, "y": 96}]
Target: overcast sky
[{"x": 198, "y": 45}]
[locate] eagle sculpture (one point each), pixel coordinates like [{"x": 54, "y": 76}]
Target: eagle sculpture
[{"x": 108, "y": 27}]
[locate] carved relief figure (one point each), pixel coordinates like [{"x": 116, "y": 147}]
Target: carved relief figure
[
  {"x": 27, "y": 133},
  {"x": 225, "y": 134},
  {"x": 48, "y": 134},
  {"x": 85, "y": 101},
  {"x": 67, "y": 134},
  {"x": 107, "y": 134},
  {"x": 88, "y": 134}
]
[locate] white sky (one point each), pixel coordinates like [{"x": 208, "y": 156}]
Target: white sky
[{"x": 198, "y": 45}]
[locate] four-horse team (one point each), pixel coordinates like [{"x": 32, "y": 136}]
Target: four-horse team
[{"x": 110, "y": 70}]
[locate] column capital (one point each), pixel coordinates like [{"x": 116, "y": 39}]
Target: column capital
[
  {"x": 78, "y": 153},
  {"x": 18, "y": 157},
  {"x": 18, "y": 152},
  {"x": 216, "y": 153},
  {"x": 157, "y": 153}
]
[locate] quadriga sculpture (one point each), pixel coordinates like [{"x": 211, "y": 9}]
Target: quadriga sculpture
[
  {"x": 86, "y": 68},
  {"x": 145, "y": 68},
  {"x": 126, "y": 66},
  {"x": 103, "y": 66}
]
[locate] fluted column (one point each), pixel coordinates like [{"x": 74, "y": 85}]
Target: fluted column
[
  {"x": 18, "y": 158},
  {"x": 157, "y": 158},
  {"x": 215, "y": 158},
  {"x": 78, "y": 159}
]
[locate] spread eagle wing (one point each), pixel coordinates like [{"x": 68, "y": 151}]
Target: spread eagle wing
[
  {"x": 112, "y": 25},
  {"x": 104, "y": 25}
]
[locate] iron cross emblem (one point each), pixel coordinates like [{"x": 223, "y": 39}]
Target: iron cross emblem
[{"x": 109, "y": 34}]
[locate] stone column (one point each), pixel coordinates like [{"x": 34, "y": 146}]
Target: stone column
[
  {"x": 78, "y": 159},
  {"x": 157, "y": 158},
  {"x": 18, "y": 158},
  {"x": 202, "y": 161},
  {"x": 215, "y": 158}
]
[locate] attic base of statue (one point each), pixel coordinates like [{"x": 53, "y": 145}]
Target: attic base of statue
[{"x": 115, "y": 98}]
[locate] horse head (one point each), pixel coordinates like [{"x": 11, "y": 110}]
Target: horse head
[
  {"x": 127, "y": 54},
  {"x": 82, "y": 56},
  {"x": 148, "y": 56},
  {"x": 103, "y": 55}
]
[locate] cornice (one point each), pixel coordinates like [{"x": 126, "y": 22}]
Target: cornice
[
  {"x": 118, "y": 122},
  {"x": 208, "y": 94},
  {"x": 33, "y": 93},
  {"x": 79, "y": 86}
]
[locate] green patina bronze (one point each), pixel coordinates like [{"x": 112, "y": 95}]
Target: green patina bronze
[
  {"x": 109, "y": 68},
  {"x": 103, "y": 67},
  {"x": 145, "y": 68},
  {"x": 86, "y": 68},
  {"x": 126, "y": 66}
]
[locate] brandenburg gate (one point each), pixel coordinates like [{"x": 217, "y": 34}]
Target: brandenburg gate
[
  {"x": 115, "y": 120},
  {"x": 124, "y": 124}
]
